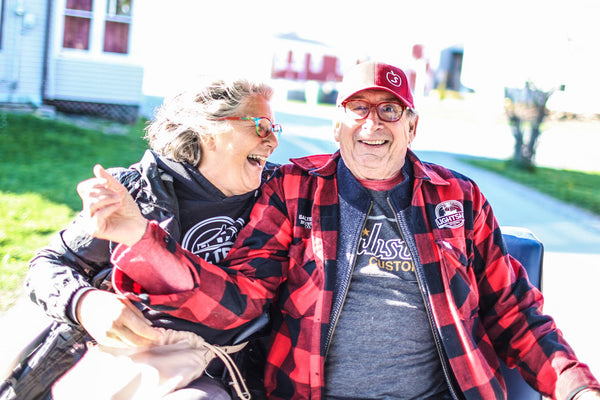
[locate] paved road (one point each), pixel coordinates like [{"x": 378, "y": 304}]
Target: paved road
[{"x": 571, "y": 236}]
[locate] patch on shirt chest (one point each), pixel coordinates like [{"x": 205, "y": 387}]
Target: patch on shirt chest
[
  {"x": 305, "y": 221},
  {"x": 449, "y": 214}
]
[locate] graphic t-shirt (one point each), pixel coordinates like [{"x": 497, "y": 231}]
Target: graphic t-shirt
[
  {"x": 382, "y": 346},
  {"x": 210, "y": 221}
]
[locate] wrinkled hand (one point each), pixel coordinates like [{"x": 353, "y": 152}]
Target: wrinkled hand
[
  {"x": 112, "y": 212},
  {"x": 114, "y": 321}
]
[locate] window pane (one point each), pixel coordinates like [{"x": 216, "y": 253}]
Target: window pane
[
  {"x": 77, "y": 33},
  {"x": 119, "y": 7},
  {"x": 85, "y": 5},
  {"x": 116, "y": 37}
]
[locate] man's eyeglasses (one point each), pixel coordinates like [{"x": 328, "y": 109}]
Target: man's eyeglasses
[
  {"x": 387, "y": 111},
  {"x": 264, "y": 126}
]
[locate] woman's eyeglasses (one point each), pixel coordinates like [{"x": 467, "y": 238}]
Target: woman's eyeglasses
[{"x": 264, "y": 126}]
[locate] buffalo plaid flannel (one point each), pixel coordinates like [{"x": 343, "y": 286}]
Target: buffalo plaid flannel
[{"x": 481, "y": 302}]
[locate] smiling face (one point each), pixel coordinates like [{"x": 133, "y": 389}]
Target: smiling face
[
  {"x": 233, "y": 160},
  {"x": 371, "y": 148}
]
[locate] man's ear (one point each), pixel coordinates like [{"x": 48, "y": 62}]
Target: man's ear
[
  {"x": 412, "y": 128},
  {"x": 336, "y": 130}
]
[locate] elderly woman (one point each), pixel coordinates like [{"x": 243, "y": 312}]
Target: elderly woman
[{"x": 200, "y": 180}]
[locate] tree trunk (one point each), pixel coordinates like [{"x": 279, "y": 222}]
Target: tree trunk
[{"x": 525, "y": 105}]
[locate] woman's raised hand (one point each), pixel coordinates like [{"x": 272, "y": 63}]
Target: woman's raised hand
[{"x": 111, "y": 211}]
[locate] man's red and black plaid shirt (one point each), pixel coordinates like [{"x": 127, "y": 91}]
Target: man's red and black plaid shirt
[{"x": 480, "y": 301}]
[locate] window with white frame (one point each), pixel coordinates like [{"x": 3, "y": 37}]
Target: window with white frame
[
  {"x": 116, "y": 26},
  {"x": 78, "y": 23},
  {"x": 101, "y": 25}
]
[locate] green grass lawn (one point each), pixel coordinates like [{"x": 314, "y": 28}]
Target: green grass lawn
[
  {"x": 41, "y": 162},
  {"x": 575, "y": 187}
]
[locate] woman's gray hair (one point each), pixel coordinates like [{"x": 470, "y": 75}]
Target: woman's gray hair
[{"x": 182, "y": 120}]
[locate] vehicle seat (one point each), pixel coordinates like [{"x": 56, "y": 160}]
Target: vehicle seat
[{"x": 523, "y": 245}]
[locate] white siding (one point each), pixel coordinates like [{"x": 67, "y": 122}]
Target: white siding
[
  {"x": 72, "y": 75},
  {"x": 21, "y": 55},
  {"x": 92, "y": 75},
  {"x": 94, "y": 81}
]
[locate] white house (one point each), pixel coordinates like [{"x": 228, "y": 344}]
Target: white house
[{"x": 75, "y": 55}]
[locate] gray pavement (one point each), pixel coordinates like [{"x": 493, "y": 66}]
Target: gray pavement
[{"x": 571, "y": 236}]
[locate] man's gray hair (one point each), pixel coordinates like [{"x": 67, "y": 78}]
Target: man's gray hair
[{"x": 183, "y": 119}]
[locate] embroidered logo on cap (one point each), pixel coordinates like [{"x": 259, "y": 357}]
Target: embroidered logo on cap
[
  {"x": 393, "y": 78},
  {"x": 449, "y": 214}
]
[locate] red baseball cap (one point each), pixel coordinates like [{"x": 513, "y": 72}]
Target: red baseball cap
[{"x": 375, "y": 75}]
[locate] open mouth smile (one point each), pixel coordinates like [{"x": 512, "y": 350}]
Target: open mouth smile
[
  {"x": 257, "y": 160},
  {"x": 373, "y": 142}
]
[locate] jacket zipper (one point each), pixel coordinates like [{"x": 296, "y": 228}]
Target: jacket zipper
[
  {"x": 402, "y": 227},
  {"x": 337, "y": 311}
]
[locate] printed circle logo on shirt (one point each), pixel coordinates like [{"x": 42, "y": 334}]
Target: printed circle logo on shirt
[
  {"x": 212, "y": 238},
  {"x": 449, "y": 214},
  {"x": 393, "y": 78}
]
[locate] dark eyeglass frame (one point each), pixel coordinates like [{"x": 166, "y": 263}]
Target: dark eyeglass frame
[
  {"x": 275, "y": 128},
  {"x": 371, "y": 106}
]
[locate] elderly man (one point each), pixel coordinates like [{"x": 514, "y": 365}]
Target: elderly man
[{"x": 387, "y": 277}]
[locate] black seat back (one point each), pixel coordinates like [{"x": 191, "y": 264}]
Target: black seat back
[{"x": 525, "y": 247}]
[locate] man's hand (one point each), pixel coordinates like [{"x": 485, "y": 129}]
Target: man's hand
[
  {"x": 112, "y": 212},
  {"x": 114, "y": 321}
]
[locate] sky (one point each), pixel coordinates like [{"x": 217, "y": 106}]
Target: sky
[{"x": 505, "y": 42}]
